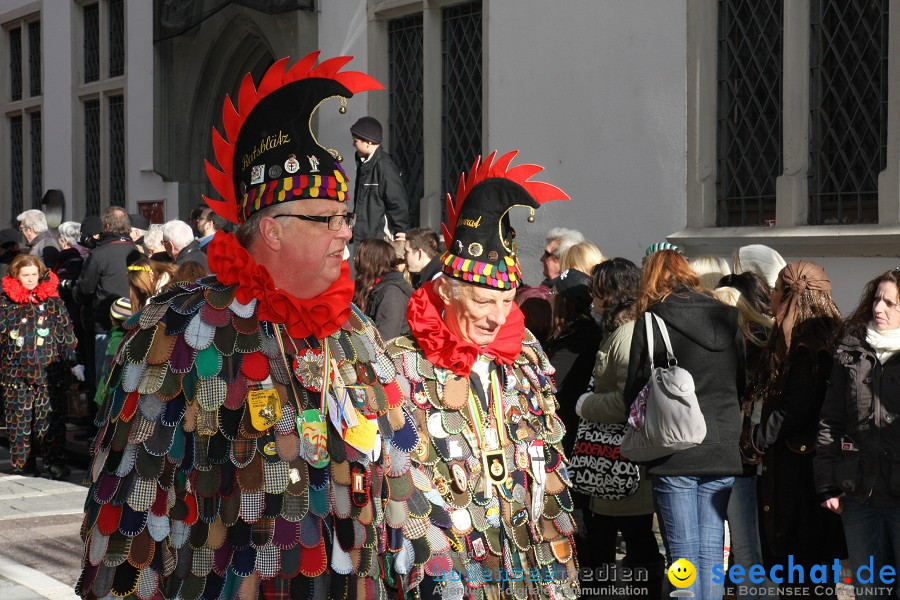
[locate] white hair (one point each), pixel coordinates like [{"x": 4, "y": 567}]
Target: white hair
[
  {"x": 34, "y": 220},
  {"x": 564, "y": 238},
  {"x": 154, "y": 237},
  {"x": 454, "y": 284},
  {"x": 70, "y": 231},
  {"x": 178, "y": 233}
]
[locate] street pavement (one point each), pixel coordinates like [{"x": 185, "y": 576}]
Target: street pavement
[{"x": 40, "y": 543}]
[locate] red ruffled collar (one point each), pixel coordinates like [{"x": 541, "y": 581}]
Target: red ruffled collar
[
  {"x": 13, "y": 288},
  {"x": 319, "y": 317},
  {"x": 444, "y": 349}
]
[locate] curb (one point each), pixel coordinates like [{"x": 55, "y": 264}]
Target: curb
[{"x": 35, "y": 581}]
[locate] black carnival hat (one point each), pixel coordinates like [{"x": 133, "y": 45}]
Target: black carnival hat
[
  {"x": 481, "y": 247},
  {"x": 269, "y": 153}
]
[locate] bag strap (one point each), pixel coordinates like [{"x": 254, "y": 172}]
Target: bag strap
[
  {"x": 648, "y": 329},
  {"x": 670, "y": 355}
]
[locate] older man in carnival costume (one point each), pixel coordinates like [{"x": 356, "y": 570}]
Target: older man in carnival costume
[
  {"x": 479, "y": 387},
  {"x": 251, "y": 415}
]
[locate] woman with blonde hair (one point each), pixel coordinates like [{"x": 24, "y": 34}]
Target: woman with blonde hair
[
  {"x": 583, "y": 256},
  {"x": 37, "y": 350},
  {"x": 710, "y": 269},
  {"x": 146, "y": 278}
]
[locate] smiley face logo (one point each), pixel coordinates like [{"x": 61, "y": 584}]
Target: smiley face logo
[{"x": 682, "y": 573}]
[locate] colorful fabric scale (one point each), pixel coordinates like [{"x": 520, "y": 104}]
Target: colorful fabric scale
[
  {"x": 216, "y": 476},
  {"x": 516, "y": 541},
  {"x": 37, "y": 349}
]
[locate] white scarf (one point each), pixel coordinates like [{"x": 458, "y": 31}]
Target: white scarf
[{"x": 885, "y": 343}]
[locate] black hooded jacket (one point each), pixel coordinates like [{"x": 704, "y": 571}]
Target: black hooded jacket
[{"x": 707, "y": 342}]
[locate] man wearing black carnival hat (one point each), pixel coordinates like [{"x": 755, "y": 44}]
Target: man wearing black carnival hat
[
  {"x": 252, "y": 418},
  {"x": 479, "y": 386}
]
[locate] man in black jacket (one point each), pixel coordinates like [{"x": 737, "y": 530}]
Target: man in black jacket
[
  {"x": 104, "y": 278},
  {"x": 380, "y": 201},
  {"x": 179, "y": 242},
  {"x": 422, "y": 256}
]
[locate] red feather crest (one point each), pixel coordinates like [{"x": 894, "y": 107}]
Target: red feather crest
[
  {"x": 233, "y": 118},
  {"x": 540, "y": 191}
]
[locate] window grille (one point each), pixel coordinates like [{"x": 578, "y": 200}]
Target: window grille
[
  {"x": 848, "y": 117},
  {"x": 406, "y": 98},
  {"x": 461, "y": 46},
  {"x": 116, "y": 38},
  {"x": 116, "y": 151},
  {"x": 92, "y": 156},
  {"x": 34, "y": 57},
  {"x": 91, "y": 42},
  {"x": 749, "y": 126},
  {"x": 16, "y": 166},
  {"x": 15, "y": 64},
  {"x": 37, "y": 179}
]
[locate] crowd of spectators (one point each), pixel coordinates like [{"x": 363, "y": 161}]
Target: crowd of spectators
[{"x": 64, "y": 327}]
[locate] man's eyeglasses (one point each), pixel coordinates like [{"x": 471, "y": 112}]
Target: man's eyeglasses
[{"x": 334, "y": 222}]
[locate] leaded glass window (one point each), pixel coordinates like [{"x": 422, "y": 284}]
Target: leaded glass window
[
  {"x": 461, "y": 46},
  {"x": 92, "y": 156},
  {"x": 116, "y": 151},
  {"x": 749, "y": 128},
  {"x": 16, "y": 166},
  {"x": 116, "y": 38},
  {"x": 848, "y": 117},
  {"x": 406, "y": 99},
  {"x": 34, "y": 57},
  {"x": 36, "y": 160},
  {"x": 15, "y": 64},
  {"x": 91, "y": 42}
]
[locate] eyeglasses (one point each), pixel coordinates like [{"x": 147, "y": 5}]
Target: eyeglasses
[{"x": 334, "y": 222}]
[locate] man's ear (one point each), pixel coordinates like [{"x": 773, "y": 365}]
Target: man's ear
[
  {"x": 442, "y": 287},
  {"x": 270, "y": 233}
]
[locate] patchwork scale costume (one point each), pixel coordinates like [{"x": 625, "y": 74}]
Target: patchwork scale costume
[
  {"x": 37, "y": 349},
  {"x": 246, "y": 434},
  {"x": 490, "y": 436}
]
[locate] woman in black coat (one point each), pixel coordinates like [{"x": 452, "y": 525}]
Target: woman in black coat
[
  {"x": 857, "y": 461},
  {"x": 692, "y": 486},
  {"x": 790, "y": 382},
  {"x": 381, "y": 291},
  {"x": 572, "y": 347}
]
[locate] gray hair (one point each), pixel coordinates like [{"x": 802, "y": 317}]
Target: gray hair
[
  {"x": 565, "y": 239},
  {"x": 248, "y": 231},
  {"x": 70, "y": 231},
  {"x": 154, "y": 236},
  {"x": 455, "y": 285},
  {"x": 178, "y": 233},
  {"x": 34, "y": 220}
]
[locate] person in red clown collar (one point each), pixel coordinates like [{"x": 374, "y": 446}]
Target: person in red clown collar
[
  {"x": 481, "y": 391},
  {"x": 251, "y": 416}
]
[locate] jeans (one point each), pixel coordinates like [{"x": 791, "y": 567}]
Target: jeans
[
  {"x": 693, "y": 510},
  {"x": 869, "y": 530},
  {"x": 744, "y": 526}
]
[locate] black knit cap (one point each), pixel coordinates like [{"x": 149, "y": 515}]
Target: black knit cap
[{"x": 368, "y": 129}]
